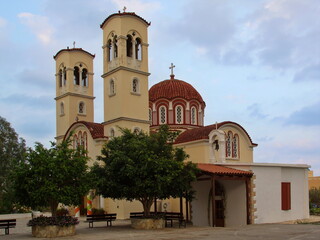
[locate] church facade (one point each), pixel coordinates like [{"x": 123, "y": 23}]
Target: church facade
[{"x": 231, "y": 189}]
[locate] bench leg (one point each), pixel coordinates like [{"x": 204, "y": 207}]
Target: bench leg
[
  {"x": 7, "y": 231},
  {"x": 90, "y": 224}
]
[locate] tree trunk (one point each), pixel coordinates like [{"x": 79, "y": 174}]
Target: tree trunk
[
  {"x": 54, "y": 206},
  {"x": 147, "y": 203}
]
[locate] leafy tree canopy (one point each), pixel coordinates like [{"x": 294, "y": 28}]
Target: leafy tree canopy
[
  {"x": 12, "y": 150},
  {"x": 52, "y": 176},
  {"x": 143, "y": 167}
]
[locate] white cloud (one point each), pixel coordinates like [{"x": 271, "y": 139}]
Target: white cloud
[
  {"x": 3, "y": 22},
  {"x": 39, "y": 25}
]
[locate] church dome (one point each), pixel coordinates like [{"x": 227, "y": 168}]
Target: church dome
[
  {"x": 174, "y": 88},
  {"x": 177, "y": 104}
]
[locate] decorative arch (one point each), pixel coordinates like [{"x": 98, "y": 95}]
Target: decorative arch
[{"x": 75, "y": 141}]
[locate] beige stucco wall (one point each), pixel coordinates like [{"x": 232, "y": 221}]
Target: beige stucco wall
[
  {"x": 314, "y": 181},
  {"x": 198, "y": 151},
  {"x": 71, "y": 95}
]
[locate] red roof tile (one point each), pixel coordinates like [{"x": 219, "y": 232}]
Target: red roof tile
[
  {"x": 73, "y": 50},
  {"x": 174, "y": 88},
  {"x": 96, "y": 129},
  {"x": 203, "y": 133},
  {"x": 221, "y": 170},
  {"x": 124, "y": 14}
]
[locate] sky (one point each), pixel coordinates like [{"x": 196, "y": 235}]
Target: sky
[{"x": 255, "y": 62}]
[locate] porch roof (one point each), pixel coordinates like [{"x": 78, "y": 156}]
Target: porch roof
[{"x": 213, "y": 169}]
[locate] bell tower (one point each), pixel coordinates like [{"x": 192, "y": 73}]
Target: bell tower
[
  {"x": 74, "y": 88},
  {"x": 125, "y": 72}
]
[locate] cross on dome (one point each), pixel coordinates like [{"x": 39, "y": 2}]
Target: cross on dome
[
  {"x": 124, "y": 9},
  {"x": 74, "y": 44},
  {"x": 171, "y": 67}
]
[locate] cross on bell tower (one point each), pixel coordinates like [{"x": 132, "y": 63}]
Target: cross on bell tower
[{"x": 171, "y": 68}]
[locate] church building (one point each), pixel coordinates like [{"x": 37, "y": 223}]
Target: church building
[{"x": 231, "y": 190}]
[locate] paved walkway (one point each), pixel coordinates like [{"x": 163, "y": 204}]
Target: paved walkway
[{"x": 121, "y": 230}]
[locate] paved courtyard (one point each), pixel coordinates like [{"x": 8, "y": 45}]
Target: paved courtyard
[{"x": 122, "y": 230}]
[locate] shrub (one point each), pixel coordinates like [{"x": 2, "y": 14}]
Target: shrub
[
  {"x": 315, "y": 211},
  {"x": 58, "y": 221},
  {"x": 97, "y": 211},
  {"x": 62, "y": 212}
]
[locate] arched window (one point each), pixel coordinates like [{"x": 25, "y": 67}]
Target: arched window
[
  {"x": 80, "y": 140},
  {"x": 162, "y": 115},
  {"x": 112, "y": 133},
  {"x": 115, "y": 47},
  {"x": 150, "y": 115},
  {"x": 110, "y": 50},
  {"x": 81, "y": 107},
  {"x": 235, "y": 146},
  {"x": 85, "y": 140},
  {"x": 193, "y": 116},
  {"x": 64, "y": 76},
  {"x": 229, "y": 145},
  {"x": 60, "y": 78},
  {"x": 138, "y": 49},
  {"x": 84, "y": 77},
  {"x": 179, "y": 114},
  {"x": 136, "y": 130},
  {"x": 61, "y": 108},
  {"x": 75, "y": 141},
  {"x": 129, "y": 46},
  {"x": 135, "y": 85},
  {"x": 76, "y": 76},
  {"x": 112, "y": 87}
]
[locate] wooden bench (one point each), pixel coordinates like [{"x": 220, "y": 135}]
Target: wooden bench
[
  {"x": 7, "y": 224},
  {"x": 169, "y": 217},
  {"x": 174, "y": 216},
  {"x": 101, "y": 218}
]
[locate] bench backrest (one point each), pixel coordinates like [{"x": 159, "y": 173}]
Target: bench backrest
[
  {"x": 102, "y": 216},
  {"x": 8, "y": 221}
]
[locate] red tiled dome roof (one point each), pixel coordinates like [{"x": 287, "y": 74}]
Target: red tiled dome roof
[{"x": 174, "y": 88}]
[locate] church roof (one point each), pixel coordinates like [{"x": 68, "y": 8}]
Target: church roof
[
  {"x": 124, "y": 14},
  {"x": 174, "y": 88},
  {"x": 203, "y": 133},
  {"x": 221, "y": 170},
  {"x": 96, "y": 129},
  {"x": 73, "y": 50}
]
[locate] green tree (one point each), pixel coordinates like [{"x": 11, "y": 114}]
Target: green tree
[
  {"x": 12, "y": 150},
  {"x": 143, "y": 167},
  {"x": 52, "y": 176},
  {"x": 314, "y": 196}
]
